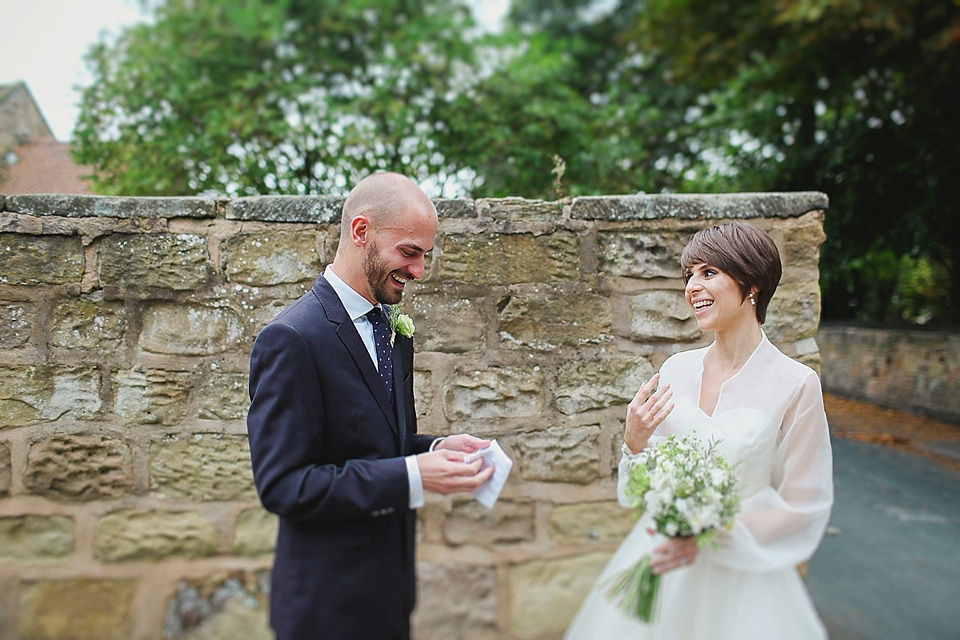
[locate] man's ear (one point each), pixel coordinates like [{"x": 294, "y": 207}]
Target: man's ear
[{"x": 360, "y": 230}]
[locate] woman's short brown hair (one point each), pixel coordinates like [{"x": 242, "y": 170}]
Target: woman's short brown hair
[{"x": 744, "y": 252}]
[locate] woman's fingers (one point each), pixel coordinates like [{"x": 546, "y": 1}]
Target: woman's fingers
[
  {"x": 646, "y": 411},
  {"x": 646, "y": 389},
  {"x": 674, "y": 554}
]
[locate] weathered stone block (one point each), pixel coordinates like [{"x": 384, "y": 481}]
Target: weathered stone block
[
  {"x": 223, "y": 396},
  {"x": 794, "y": 312},
  {"x": 546, "y": 594},
  {"x": 472, "y": 523},
  {"x": 36, "y": 538},
  {"x": 698, "y": 206},
  {"x": 222, "y": 605},
  {"x": 423, "y": 391},
  {"x": 662, "y": 315},
  {"x": 201, "y": 466},
  {"x": 88, "y": 323},
  {"x": 510, "y": 258},
  {"x": 271, "y": 257},
  {"x": 584, "y": 385},
  {"x": 495, "y": 392},
  {"x": 256, "y": 533},
  {"x": 522, "y": 209},
  {"x": 547, "y": 320},
  {"x": 154, "y": 396},
  {"x": 259, "y": 313},
  {"x": 130, "y": 535},
  {"x": 35, "y": 394},
  {"x": 319, "y": 209},
  {"x": 448, "y": 324},
  {"x": 590, "y": 522},
  {"x": 455, "y": 208},
  {"x": 28, "y": 260},
  {"x": 639, "y": 254},
  {"x": 6, "y": 472},
  {"x": 560, "y": 454},
  {"x": 164, "y": 260},
  {"x": 80, "y": 608},
  {"x": 79, "y": 467},
  {"x": 800, "y": 243},
  {"x": 80, "y": 206},
  {"x": 460, "y": 602},
  {"x": 189, "y": 329},
  {"x": 14, "y": 325}
]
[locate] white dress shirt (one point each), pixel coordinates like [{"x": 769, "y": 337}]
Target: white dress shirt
[{"x": 357, "y": 307}]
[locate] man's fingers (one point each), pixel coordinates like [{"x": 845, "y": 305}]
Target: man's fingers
[
  {"x": 445, "y": 472},
  {"x": 478, "y": 479},
  {"x": 471, "y": 468},
  {"x": 463, "y": 442}
]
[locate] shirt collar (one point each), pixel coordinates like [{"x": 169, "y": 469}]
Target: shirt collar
[{"x": 356, "y": 305}]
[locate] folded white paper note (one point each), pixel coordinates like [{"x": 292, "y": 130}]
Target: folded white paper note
[{"x": 489, "y": 491}]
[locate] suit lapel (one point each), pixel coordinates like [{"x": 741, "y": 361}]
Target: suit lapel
[
  {"x": 348, "y": 335},
  {"x": 398, "y": 393}
]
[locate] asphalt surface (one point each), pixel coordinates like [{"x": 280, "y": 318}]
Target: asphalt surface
[{"x": 889, "y": 566}]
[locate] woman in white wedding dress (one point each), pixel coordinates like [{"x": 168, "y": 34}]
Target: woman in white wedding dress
[{"x": 766, "y": 412}]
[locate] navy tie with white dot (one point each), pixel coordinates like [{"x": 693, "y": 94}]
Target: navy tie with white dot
[{"x": 381, "y": 337}]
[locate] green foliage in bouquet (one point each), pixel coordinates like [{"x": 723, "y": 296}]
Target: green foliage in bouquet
[{"x": 689, "y": 490}]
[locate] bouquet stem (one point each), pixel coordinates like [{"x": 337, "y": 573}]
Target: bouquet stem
[{"x": 634, "y": 590}]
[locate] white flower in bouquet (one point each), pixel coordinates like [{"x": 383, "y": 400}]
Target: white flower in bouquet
[{"x": 687, "y": 489}]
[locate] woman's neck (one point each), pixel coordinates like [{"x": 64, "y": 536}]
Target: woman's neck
[{"x": 732, "y": 348}]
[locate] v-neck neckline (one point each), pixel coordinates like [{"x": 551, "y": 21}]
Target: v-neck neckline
[{"x": 763, "y": 338}]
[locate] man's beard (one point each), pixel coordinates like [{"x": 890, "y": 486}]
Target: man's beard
[{"x": 378, "y": 277}]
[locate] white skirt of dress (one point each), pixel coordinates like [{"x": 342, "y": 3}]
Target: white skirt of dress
[{"x": 703, "y": 601}]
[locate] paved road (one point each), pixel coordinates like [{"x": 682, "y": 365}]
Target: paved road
[{"x": 890, "y": 567}]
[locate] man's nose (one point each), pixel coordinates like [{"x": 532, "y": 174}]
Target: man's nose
[{"x": 418, "y": 268}]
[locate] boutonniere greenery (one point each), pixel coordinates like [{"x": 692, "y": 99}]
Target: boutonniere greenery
[{"x": 400, "y": 323}]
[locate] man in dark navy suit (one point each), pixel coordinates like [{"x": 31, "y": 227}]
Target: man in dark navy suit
[{"x": 332, "y": 428}]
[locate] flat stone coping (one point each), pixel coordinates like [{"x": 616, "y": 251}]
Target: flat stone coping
[{"x": 326, "y": 209}]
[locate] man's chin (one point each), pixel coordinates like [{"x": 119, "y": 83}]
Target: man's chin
[{"x": 389, "y": 297}]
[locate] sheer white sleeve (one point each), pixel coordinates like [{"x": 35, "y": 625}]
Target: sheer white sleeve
[
  {"x": 781, "y": 525},
  {"x": 627, "y": 458}
]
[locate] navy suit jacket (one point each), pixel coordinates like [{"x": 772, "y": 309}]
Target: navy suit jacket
[{"x": 327, "y": 446}]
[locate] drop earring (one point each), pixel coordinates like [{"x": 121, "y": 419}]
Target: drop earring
[{"x": 753, "y": 300}]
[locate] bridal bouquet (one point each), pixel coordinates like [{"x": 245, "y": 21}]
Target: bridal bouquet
[{"x": 689, "y": 490}]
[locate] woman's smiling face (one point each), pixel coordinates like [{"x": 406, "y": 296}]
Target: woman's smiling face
[{"x": 716, "y": 298}]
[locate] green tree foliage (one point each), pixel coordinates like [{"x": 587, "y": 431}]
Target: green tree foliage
[
  {"x": 568, "y": 84},
  {"x": 271, "y": 96},
  {"x": 852, "y": 98}
]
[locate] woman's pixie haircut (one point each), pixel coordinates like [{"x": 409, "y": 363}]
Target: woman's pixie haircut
[{"x": 744, "y": 252}]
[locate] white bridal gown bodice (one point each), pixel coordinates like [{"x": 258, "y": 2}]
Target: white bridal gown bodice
[{"x": 769, "y": 422}]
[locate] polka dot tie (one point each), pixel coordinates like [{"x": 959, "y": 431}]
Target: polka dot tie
[{"x": 381, "y": 337}]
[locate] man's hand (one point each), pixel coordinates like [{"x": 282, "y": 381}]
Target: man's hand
[
  {"x": 443, "y": 471},
  {"x": 462, "y": 442}
]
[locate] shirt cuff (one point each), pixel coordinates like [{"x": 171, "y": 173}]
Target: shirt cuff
[
  {"x": 416, "y": 483},
  {"x": 436, "y": 441}
]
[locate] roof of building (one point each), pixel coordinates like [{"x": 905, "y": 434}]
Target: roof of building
[
  {"x": 42, "y": 165},
  {"x": 7, "y": 91}
]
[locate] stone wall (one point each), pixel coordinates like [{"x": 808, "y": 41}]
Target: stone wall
[
  {"x": 911, "y": 370},
  {"x": 127, "y": 508}
]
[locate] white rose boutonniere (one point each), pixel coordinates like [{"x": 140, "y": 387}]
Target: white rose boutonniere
[{"x": 400, "y": 323}]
